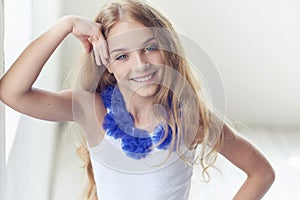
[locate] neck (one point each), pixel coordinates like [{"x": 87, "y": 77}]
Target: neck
[{"x": 141, "y": 109}]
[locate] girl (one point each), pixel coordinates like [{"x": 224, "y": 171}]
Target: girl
[{"x": 142, "y": 110}]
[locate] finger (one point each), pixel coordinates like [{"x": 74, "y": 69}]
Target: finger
[
  {"x": 86, "y": 43},
  {"x": 98, "y": 33},
  {"x": 87, "y": 46},
  {"x": 102, "y": 53},
  {"x": 97, "y": 57},
  {"x": 97, "y": 52},
  {"x": 104, "y": 50},
  {"x": 101, "y": 46}
]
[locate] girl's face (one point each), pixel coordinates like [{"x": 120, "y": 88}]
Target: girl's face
[{"x": 135, "y": 58}]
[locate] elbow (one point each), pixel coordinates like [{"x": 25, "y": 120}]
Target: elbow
[
  {"x": 263, "y": 174},
  {"x": 270, "y": 175},
  {"x": 1, "y": 91},
  {"x": 266, "y": 176},
  {"x": 267, "y": 179},
  {"x": 9, "y": 94}
]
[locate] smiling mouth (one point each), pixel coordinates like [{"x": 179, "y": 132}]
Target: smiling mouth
[{"x": 144, "y": 78}]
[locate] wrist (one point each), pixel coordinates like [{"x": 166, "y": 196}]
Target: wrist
[{"x": 67, "y": 22}]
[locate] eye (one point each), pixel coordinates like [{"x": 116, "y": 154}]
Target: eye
[
  {"x": 151, "y": 48},
  {"x": 122, "y": 57}
]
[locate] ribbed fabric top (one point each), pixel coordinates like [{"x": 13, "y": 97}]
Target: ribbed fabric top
[{"x": 155, "y": 177}]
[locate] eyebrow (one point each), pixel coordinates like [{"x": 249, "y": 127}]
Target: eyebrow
[{"x": 124, "y": 49}]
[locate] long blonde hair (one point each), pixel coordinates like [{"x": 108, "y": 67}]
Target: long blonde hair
[{"x": 184, "y": 107}]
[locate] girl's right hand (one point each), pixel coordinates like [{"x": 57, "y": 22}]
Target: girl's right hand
[{"x": 89, "y": 33}]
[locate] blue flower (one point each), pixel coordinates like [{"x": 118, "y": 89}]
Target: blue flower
[
  {"x": 159, "y": 134},
  {"x": 119, "y": 124},
  {"x": 106, "y": 96},
  {"x": 135, "y": 147}
]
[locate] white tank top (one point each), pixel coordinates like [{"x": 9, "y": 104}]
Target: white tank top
[{"x": 120, "y": 177}]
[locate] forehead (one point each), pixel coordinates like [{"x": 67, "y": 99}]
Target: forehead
[{"x": 128, "y": 35}]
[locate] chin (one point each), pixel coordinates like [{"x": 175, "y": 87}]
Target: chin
[{"x": 148, "y": 90}]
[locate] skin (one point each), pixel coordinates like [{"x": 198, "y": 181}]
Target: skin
[{"x": 17, "y": 92}]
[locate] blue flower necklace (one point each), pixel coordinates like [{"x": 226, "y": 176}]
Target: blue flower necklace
[{"x": 119, "y": 124}]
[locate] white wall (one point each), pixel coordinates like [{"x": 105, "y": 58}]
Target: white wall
[{"x": 255, "y": 45}]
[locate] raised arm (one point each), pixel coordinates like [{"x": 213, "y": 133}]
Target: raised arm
[
  {"x": 244, "y": 155},
  {"x": 16, "y": 85}
]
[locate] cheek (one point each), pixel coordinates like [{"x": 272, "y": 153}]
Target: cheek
[
  {"x": 156, "y": 58},
  {"x": 120, "y": 71}
]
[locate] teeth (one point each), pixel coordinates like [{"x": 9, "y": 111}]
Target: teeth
[{"x": 143, "y": 79}]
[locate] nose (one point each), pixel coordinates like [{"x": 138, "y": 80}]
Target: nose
[
  {"x": 141, "y": 62},
  {"x": 139, "y": 59}
]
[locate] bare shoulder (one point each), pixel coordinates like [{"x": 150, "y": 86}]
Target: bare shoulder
[
  {"x": 89, "y": 112},
  {"x": 233, "y": 144}
]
